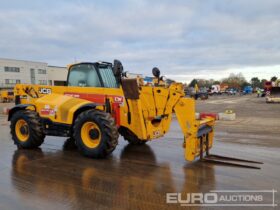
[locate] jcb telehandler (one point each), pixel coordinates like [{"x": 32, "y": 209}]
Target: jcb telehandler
[
  {"x": 6, "y": 96},
  {"x": 98, "y": 104}
]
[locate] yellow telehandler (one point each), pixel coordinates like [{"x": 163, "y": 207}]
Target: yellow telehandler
[
  {"x": 99, "y": 103},
  {"x": 6, "y": 96}
]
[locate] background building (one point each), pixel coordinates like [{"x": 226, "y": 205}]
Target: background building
[
  {"x": 57, "y": 75},
  {"x": 29, "y": 72}
]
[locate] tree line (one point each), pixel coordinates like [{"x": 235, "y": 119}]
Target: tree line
[{"x": 233, "y": 81}]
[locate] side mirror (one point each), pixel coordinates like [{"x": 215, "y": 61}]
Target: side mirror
[
  {"x": 156, "y": 72},
  {"x": 118, "y": 68}
]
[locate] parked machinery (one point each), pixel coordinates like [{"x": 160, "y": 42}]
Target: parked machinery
[{"x": 6, "y": 96}]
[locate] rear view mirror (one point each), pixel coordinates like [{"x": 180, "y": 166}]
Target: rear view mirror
[
  {"x": 118, "y": 68},
  {"x": 156, "y": 72}
]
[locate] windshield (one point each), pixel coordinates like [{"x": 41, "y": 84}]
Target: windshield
[
  {"x": 86, "y": 75},
  {"x": 83, "y": 75}
]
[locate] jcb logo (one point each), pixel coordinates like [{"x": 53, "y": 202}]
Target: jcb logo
[{"x": 45, "y": 91}]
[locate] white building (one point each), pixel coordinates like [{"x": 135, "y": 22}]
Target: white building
[
  {"x": 57, "y": 75},
  {"x": 29, "y": 72}
]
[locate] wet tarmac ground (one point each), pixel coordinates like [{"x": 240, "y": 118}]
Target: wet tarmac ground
[{"x": 56, "y": 176}]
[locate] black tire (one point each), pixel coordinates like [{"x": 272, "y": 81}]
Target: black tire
[
  {"x": 34, "y": 129},
  {"x": 109, "y": 133},
  {"x": 131, "y": 137},
  {"x": 69, "y": 144}
]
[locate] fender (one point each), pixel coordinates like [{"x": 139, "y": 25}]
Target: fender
[
  {"x": 17, "y": 108},
  {"x": 82, "y": 109}
]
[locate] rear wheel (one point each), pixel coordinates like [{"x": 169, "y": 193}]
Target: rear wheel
[
  {"x": 26, "y": 129},
  {"x": 131, "y": 137},
  {"x": 95, "y": 133}
]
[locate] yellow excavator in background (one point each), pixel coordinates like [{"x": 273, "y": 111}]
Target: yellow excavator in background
[{"x": 99, "y": 103}]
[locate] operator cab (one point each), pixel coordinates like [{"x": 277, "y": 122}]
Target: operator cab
[{"x": 99, "y": 74}]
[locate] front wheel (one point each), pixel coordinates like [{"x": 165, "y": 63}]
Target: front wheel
[
  {"x": 26, "y": 129},
  {"x": 95, "y": 133}
]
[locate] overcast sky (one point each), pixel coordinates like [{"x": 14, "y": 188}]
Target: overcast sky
[{"x": 185, "y": 39}]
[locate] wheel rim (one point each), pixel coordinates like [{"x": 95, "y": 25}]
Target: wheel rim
[
  {"x": 22, "y": 130},
  {"x": 91, "y": 135}
]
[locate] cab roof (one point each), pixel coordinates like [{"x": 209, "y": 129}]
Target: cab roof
[{"x": 93, "y": 63}]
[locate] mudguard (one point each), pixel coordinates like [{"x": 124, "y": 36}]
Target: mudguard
[{"x": 17, "y": 108}]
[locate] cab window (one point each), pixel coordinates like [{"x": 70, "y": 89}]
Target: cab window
[
  {"x": 108, "y": 77},
  {"x": 83, "y": 75}
]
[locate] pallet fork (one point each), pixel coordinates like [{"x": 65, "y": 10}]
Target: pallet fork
[{"x": 223, "y": 160}]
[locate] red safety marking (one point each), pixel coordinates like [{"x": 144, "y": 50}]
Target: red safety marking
[
  {"x": 97, "y": 98},
  {"x": 116, "y": 113},
  {"x": 45, "y": 111},
  {"x": 100, "y": 99}
]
